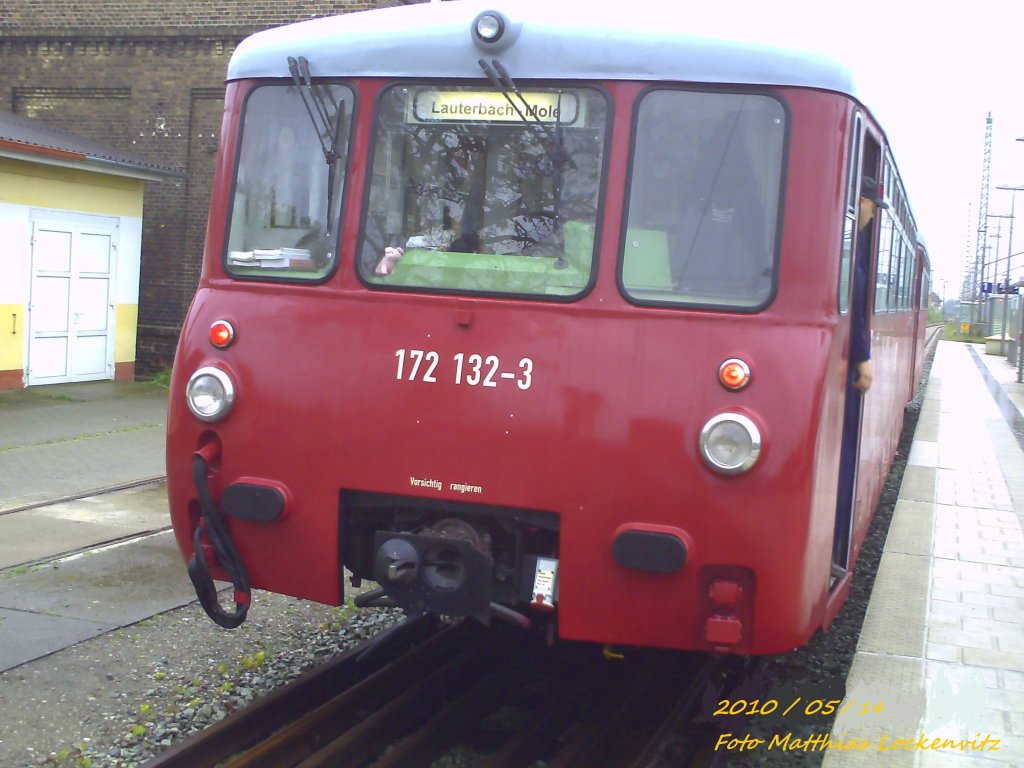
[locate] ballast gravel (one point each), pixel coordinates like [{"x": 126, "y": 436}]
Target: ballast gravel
[{"x": 117, "y": 700}]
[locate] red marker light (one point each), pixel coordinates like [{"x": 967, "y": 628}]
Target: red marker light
[
  {"x": 222, "y": 333},
  {"x": 734, "y": 374}
]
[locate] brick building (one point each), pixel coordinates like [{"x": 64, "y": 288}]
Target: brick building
[{"x": 146, "y": 77}]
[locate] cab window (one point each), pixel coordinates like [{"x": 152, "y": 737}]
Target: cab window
[
  {"x": 473, "y": 191},
  {"x": 704, "y": 199},
  {"x": 287, "y": 194}
]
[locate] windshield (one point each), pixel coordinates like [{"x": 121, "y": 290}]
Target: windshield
[
  {"x": 472, "y": 194},
  {"x": 280, "y": 222},
  {"x": 704, "y": 199}
]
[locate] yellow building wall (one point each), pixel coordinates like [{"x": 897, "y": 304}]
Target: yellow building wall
[
  {"x": 12, "y": 337},
  {"x": 69, "y": 189},
  {"x": 125, "y": 333}
]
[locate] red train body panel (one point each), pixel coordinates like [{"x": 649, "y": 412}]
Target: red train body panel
[{"x": 347, "y": 395}]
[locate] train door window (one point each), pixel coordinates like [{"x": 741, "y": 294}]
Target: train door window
[
  {"x": 846, "y": 263},
  {"x": 472, "y": 194},
  {"x": 704, "y": 199},
  {"x": 287, "y": 195},
  {"x": 850, "y": 218}
]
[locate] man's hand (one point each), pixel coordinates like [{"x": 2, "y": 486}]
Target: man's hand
[{"x": 864, "y": 376}]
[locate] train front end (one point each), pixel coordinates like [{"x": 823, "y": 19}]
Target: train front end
[{"x": 508, "y": 348}]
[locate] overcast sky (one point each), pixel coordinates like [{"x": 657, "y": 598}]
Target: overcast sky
[
  {"x": 938, "y": 71},
  {"x": 930, "y": 72},
  {"x": 936, "y": 81}
]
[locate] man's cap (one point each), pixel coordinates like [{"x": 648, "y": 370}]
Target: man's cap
[{"x": 869, "y": 189}]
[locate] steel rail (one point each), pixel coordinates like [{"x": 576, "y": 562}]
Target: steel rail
[
  {"x": 434, "y": 692},
  {"x": 316, "y": 687},
  {"x": 84, "y": 494}
]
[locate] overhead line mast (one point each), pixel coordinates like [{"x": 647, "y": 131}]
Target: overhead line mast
[{"x": 978, "y": 277}]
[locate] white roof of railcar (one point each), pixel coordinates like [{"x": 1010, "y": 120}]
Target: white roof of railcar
[{"x": 554, "y": 39}]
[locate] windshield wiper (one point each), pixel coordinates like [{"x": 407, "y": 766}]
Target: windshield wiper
[
  {"x": 328, "y": 132},
  {"x": 553, "y": 145}
]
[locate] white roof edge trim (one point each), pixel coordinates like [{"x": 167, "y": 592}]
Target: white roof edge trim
[{"x": 557, "y": 39}]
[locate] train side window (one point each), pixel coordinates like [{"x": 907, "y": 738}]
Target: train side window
[
  {"x": 704, "y": 197},
  {"x": 895, "y": 269},
  {"x": 909, "y": 263},
  {"x": 284, "y": 219},
  {"x": 892, "y": 300},
  {"x": 468, "y": 194},
  {"x": 882, "y": 272}
]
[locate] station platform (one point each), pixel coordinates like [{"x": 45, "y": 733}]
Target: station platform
[{"x": 942, "y": 646}]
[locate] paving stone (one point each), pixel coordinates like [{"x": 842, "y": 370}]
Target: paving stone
[{"x": 956, "y": 537}]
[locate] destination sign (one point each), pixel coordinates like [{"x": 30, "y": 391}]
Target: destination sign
[{"x": 491, "y": 106}]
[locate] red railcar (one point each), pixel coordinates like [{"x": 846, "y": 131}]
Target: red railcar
[{"x": 530, "y": 313}]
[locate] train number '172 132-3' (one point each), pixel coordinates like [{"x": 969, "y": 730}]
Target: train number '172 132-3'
[{"x": 472, "y": 369}]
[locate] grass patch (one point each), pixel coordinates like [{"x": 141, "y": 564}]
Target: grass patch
[
  {"x": 161, "y": 379},
  {"x": 28, "y": 395},
  {"x": 952, "y": 333}
]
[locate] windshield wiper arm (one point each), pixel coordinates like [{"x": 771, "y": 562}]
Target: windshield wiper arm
[
  {"x": 490, "y": 69},
  {"x": 329, "y": 134},
  {"x": 552, "y": 145}
]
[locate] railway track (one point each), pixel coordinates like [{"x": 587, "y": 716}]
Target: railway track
[
  {"x": 72, "y": 546},
  {"x": 492, "y": 697},
  {"x": 84, "y": 494}
]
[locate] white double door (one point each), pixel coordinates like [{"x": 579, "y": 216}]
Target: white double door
[{"x": 71, "y": 317}]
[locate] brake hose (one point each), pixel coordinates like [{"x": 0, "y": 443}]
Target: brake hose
[{"x": 227, "y": 555}]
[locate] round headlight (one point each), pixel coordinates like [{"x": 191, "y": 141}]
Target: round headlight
[
  {"x": 488, "y": 27},
  {"x": 210, "y": 394},
  {"x": 730, "y": 443}
]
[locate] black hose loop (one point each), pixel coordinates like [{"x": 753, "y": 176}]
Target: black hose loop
[{"x": 227, "y": 555}]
